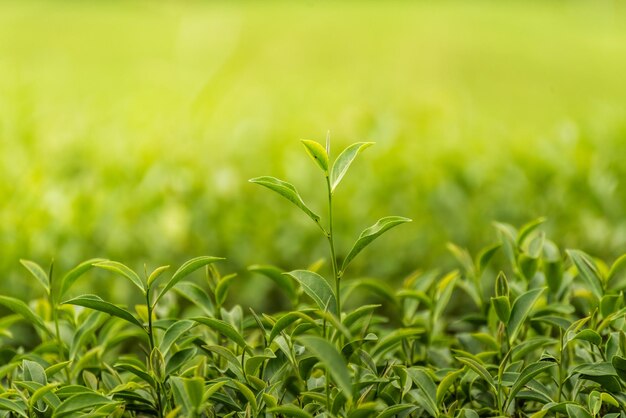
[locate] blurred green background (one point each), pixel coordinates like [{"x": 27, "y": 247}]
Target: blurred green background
[{"x": 128, "y": 129}]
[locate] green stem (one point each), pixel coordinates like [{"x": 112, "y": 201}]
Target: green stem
[
  {"x": 55, "y": 319},
  {"x": 151, "y": 341},
  {"x": 331, "y": 244},
  {"x": 561, "y": 361}
]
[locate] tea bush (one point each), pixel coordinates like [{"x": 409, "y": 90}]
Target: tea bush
[{"x": 523, "y": 328}]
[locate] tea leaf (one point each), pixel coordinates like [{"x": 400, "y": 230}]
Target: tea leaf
[
  {"x": 588, "y": 271},
  {"x": 9, "y": 405},
  {"x": 80, "y": 402},
  {"x": 221, "y": 290},
  {"x": 186, "y": 269},
  {"x": 38, "y": 273},
  {"x": 479, "y": 369},
  {"x": 317, "y": 153},
  {"x": 68, "y": 280},
  {"x": 423, "y": 381},
  {"x": 286, "y": 190},
  {"x": 22, "y": 309},
  {"x": 124, "y": 271},
  {"x": 328, "y": 355},
  {"x": 527, "y": 375},
  {"x": 247, "y": 393},
  {"x": 317, "y": 288},
  {"x": 223, "y": 328},
  {"x": 156, "y": 274},
  {"x": 396, "y": 410},
  {"x": 445, "y": 384},
  {"x": 520, "y": 311},
  {"x": 276, "y": 274},
  {"x": 173, "y": 333},
  {"x": 343, "y": 162},
  {"x": 290, "y": 411},
  {"x": 96, "y": 303},
  {"x": 370, "y": 234}
]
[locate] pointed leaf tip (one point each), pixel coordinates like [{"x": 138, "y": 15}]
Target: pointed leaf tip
[
  {"x": 317, "y": 152},
  {"x": 370, "y": 234},
  {"x": 286, "y": 190},
  {"x": 344, "y": 161}
]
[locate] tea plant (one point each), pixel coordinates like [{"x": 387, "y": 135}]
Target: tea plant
[{"x": 523, "y": 329}]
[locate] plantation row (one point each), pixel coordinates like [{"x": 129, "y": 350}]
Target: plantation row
[{"x": 522, "y": 329}]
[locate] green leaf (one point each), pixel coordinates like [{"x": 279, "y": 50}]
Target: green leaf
[
  {"x": 486, "y": 255},
  {"x": 358, "y": 313},
  {"x": 22, "y": 309},
  {"x": 44, "y": 393},
  {"x": 396, "y": 410},
  {"x": 619, "y": 364},
  {"x": 254, "y": 363},
  {"x": 186, "y": 269},
  {"x": 68, "y": 280},
  {"x": 194, "y": 387},
  {"x": 286, "y": 320},
  {"x": 173, "y": 333},
  {"x": 588, "y": 271},
  {"x": 317, "y": 288},
  {"x": 502, "y": 307},
  {"x": 80, "y": 402},
  {"x": 589, "y": 335},
  {"x": 328, "y": 355},
  {"x": 527, "y": 229},
  {"x": 224, "y": 328},
  {"x": 156, "y": 274},
  {"x": 445, "y": 384},
  {"x": 221, "y": 290},
  {"x": 390, "y": 340},
  {"x": 96, "y": 303},
  {"x": 480, "y": 370},
  {"x": 124, "y": 271},
  {"x": 8, "y": 405},
  {"x": 276, "y": 275},
  {"x": 196, "y": 295},
  {"x": 527, "y": 375},
  {"x": 443, "y": 293},
  {"x": 576, "y": 411},
  {"x": 137, "y": 371},
  {"x": 38, "y": 273},
  {"x": 615, "y": 269},
  {"x": 248, "y": 394},
  {"x": 317, "y": 152},
  {"x": 57, "y": 367},
  {"x": 520, "y": 311},
  {"x": 423, "y": 381},
  {"x": 370, "y": 234},
  {"x": 289, "y": 411},
  {"x": 286, "y": 190},
  {"x": 33, "y": 371},
  {"x": 343, "y": 162}
]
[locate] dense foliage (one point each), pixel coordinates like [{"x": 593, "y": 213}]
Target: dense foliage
[{"x": 540, "y": 335}]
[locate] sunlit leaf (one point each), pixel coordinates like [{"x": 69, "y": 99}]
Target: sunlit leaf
[
  {"x": 370, "y": 234},
  {"x": 317, "y": 288},
  {"x": 317, "y": 152},
  {"x": 343, "y": 162},
  {"x": 286, "y": 190}
]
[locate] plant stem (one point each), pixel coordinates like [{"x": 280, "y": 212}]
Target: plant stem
[
  {"x": 151, "y": 341},
  {"x": 55, "y": 319},
  {"x": 331, "y": 243},
  {"x": 561, "y": 360}
]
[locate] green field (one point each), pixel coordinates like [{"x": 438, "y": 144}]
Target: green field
[{"x": 129, "y": 131}]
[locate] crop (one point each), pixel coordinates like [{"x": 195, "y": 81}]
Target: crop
[{"x": 521, "y": 329}]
